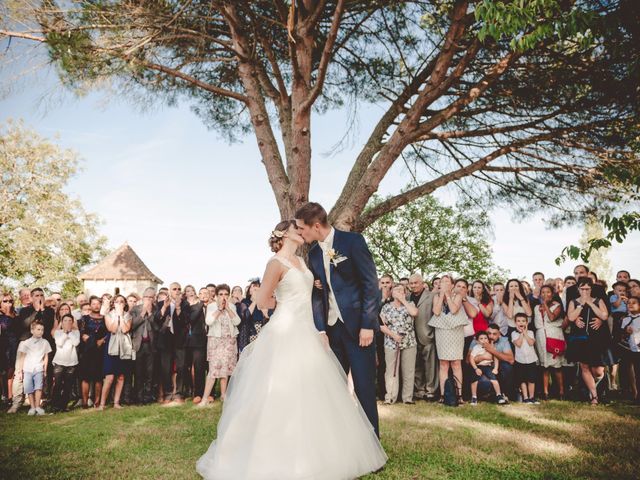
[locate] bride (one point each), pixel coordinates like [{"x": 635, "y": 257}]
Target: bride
[{"x": 288, "y": 412}]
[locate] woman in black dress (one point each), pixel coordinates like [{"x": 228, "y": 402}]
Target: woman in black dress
[
  {"x": 8, "y": 343},
  {"x": 93, "y": 333},
  {"x": 589, "y": 337}
]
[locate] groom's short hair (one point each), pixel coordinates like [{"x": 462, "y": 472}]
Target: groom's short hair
[{"x": 311, "y": 213}]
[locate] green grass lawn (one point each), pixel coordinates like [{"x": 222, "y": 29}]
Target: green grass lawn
[{"x": 424, "y": 441}]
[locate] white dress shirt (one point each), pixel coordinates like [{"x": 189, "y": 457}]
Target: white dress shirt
[
  {"x": 334, "y": 312},
  {"x": 35, "y": 350},
  {"x": 525, "y": 353},
  {"x": 172, "y": 308},
  {"x": 66, "y": 343}
]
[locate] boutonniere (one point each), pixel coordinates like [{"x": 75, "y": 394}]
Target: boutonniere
[{"x": 335, "y": 257}]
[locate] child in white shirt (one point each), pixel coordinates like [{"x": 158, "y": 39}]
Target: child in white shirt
[
  {"x": 67, "y": 338},
  {"x": 526, "y": 358},
  {"x": 631, "y": 339},
  {"x": 31, "y": 365},
  {"x": 484, "y": 364}
]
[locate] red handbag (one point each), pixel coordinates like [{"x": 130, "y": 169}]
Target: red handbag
[{"x": 555, "y": 346}]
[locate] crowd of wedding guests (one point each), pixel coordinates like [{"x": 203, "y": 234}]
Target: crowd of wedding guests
[
  {"x": 446, "y": 339},
  {"x": 164, "y": 346},
  {"x": 458, "y": 341}
]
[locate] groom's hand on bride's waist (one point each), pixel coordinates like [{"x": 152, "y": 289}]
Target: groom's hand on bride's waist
[{"x": 366, "y": 337}]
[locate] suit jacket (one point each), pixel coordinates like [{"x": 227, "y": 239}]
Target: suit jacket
[
  {"x": 354, "y": 282},
  {"x": 28, "y": 315},
  {"x": 137, "y": 322},
  {"x": 165, "y": 339},
  {"x": 424, "y": 332},
  {"x": 195, "y": 326}
]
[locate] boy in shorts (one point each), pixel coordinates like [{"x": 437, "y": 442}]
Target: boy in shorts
[{"x": 31, "y": 365}]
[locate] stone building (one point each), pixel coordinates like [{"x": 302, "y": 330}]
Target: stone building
[{"x": 122, "y": 270}]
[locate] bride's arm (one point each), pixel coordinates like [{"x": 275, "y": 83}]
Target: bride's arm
[{"x": 270, "y": 279}]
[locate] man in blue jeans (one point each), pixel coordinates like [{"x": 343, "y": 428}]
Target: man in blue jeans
[{"x": 499, "y": 347}]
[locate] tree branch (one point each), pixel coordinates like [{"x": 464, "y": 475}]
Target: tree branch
[
  {"x": 26, "y": 36},
  {"x": 476, "y": 91},
  {"x": 486, "y": 131},
  {"x": 267, "y": 144},
  {"x": 327, "y": 53},
  {"x": 397, "y": 201},
  {"x": 435, "y": 73},
  {"x": 188, "y": 78}
]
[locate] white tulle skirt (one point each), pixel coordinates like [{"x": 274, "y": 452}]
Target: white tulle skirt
[{"x": 288, "y": 414}]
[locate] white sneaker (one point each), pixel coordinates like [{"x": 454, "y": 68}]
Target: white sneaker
[
  {"x": 39, "y": 411},
  {"x": 90, "y": 403},
  {"x": 14, "y": 408},
  {"x": 32, "y": 411}
]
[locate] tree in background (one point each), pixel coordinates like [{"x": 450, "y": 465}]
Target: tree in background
[
  {"x": 45, "y": 236},
  {"x": 599, "y": 261},
  {"x": 528, "y": 103},
  {"x": 427, "y": 237}
]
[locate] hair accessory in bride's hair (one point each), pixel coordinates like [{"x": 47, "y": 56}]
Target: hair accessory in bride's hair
[{"x": 277, "y": 233}]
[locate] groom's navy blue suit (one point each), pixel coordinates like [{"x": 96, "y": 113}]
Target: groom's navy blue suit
[{"x": 355, "y": 286}]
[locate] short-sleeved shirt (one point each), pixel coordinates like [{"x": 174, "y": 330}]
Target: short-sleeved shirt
[
  {"x": 525, "y": 353},
  {"x": 634, "y": 337},
  {"x": 399, "y": 321},
  {"x": 35, "y": 349},
  {"x": 479, "y": 350},
  {"x": 622, "y": 308},
  {"x": 502, "y": 345}
]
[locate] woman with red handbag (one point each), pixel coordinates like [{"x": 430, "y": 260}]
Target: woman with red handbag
[{"x": 550, "y": 342}]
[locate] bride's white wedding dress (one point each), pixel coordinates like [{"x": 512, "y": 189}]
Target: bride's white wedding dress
[{"x": 288, "y": 413}]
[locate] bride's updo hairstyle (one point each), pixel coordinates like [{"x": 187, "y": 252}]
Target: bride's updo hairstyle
[{"x": 277, "y": 235}]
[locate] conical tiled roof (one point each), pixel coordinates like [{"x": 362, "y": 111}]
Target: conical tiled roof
[{"x": 123, "y": 264}]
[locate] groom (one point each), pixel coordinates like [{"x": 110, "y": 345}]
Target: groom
[{"x": 346, "y": 299}]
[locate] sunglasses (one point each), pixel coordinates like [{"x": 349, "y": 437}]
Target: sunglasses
[{"x": 7, "y": 301}]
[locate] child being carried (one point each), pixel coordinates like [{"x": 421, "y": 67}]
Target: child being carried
[{"x": 484, "y": 364}]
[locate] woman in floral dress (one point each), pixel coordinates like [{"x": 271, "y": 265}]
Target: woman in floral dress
[{"x": 222, "y": 346}]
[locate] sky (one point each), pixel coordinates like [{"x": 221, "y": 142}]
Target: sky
[{"x": 197, "y": 209}]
